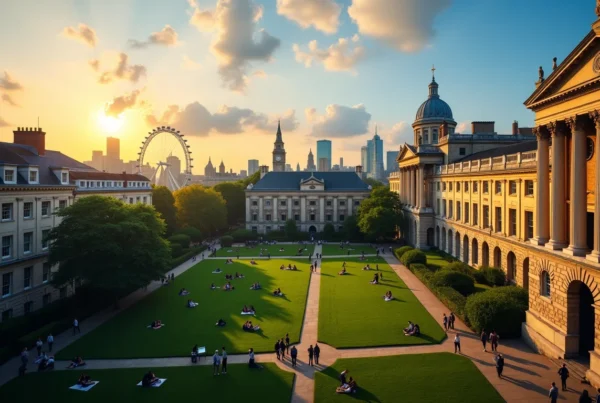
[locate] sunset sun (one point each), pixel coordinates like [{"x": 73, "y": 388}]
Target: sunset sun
[{"x": 110, "y": 124}]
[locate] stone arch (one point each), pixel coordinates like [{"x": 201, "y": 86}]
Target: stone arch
[
  {"x": 474, "y": 252},
  {"x": 465, "y": 248},
  {"x": 312, "y": 229},
  {"x": 497, "y": 257},
  {"x": 450, "y": 241},
  {"x": 525, "y": 280},
  {"x": 457, "y": 241},
  {"x": 581, "y": 318},
  {"x": 485, "y": 254},
  {"x": 437, "y": 237},
  {"x": 511, "y": 267},
  {"x": 443, "y": 245}
]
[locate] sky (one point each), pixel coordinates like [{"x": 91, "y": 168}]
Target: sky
[{"x": 223, "y": 72}]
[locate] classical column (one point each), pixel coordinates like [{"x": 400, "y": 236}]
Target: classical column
[
  {"x": 578, "y": 208},
  {"x": 335, "y": 209},
  {"x": 405, "y": 186},
  {"x": 418, "y": 186},
  {"x": 542, "y": 201},
  {"x": 349, "y": 206},
  {"x": 595, "y": 255},
  {"x": 421, "y": 184},
  {"x": 413, "y": 187},
  {"x": 322, "y": 209},
  {"x": 248, "y": 217},
  {"x": 275, "y": 214},
  {"x": 302, "y": 210},
  {"x": 260, "y": 209},
  {"x": 290, "y": 203},
  {"x": 558, "y": 236}
]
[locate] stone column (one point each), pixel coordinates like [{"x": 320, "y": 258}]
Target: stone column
[
  {"x": 421, "y": 184},
  {"x": 290, "y": 203},
  {"x": 558, "y": 236},
  {"x": 349, "y": 206},
  {"x": 595, "y": 255},
  {"x": 578, "y": 209},
  {"x": 302, "y": 210},
  {"x": 542, "y": 201},
  {"x": 335, "y": 209},
  {"x": 248, "y": 216},
  {"x": 418, "y": 186},
  {"x": 275, "y": 206},
  {"x": 322, "y": 209},
  {"x": 261, "y": 211},
  {"x": 413, "y": 185},
  {"x": 405, "y": 186}
]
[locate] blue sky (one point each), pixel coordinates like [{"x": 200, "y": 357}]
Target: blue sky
[{"x": 486, "y": 55}]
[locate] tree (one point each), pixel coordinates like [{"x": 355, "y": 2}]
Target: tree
[
  {"x": 201, "y": 208},
  {"x": 194, "y": 233},
  {"x": 252, "y": 179},
  {"x": 164, "y": 202},
  {"x": 374, "y": 183},
  {"x": 235, "y": 200},
  {"x": 109, "y": 245},
  {"x": 379, "y": 214},
  {"x": 350, "y": 229},
  {"x": 328, "y": 231},
  {"x": 181, "y": 239},
  {"x": 291, "y": 230}
]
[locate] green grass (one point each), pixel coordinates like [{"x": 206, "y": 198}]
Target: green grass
[
  {"x": 435, "y": 261},
  {"x": 274, "y": 250},
  {"x": 422, "y": 378},
  {"x": 119, "y": 385},
  {"x": 352, "y": 312},
  {"x": 126, "y": 335},
  {"x": 333, "y": 249}
]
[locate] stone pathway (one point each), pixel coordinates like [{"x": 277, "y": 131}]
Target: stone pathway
[{"x": 527, "y": 375}]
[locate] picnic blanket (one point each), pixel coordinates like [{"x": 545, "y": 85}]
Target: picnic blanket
[
  {"x": 84, "y": 388},
  {"x": 157, "y": 384},
  {"x": 388, "y": 299},
  {"x": 155, "y": 328},
  {"x": 217, "y": 272},
  {"x": 247, "y": 313}
]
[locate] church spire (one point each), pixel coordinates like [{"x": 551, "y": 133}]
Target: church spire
[
  {"x": 433, "y": 86},
  {"x": 278, "y": 139}
]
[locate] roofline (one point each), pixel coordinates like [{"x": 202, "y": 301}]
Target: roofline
[{"x": 36, "y": 187}]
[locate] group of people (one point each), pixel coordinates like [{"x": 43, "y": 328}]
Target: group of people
[
  {"x": 346, "y": 385},
  {"x": 228, "y": 287},
  {"x": 413, "y": 329},
  {"x": 85, "y": 380},
  {"x": 168, "y": 280},
  {"x": 249, "y": 327},
  {"x": 229, "y": 261},
  {"x": 76, "y": 362},
  {"x": 282, "y": 346},
  {"x": 149, "y": 379},
  {"x": 156, "y": 324},
  {"x": 255, "y": 286},
  {"x": 492, "y": 338},
  {"x": 448, "y": 322},
  {"x": 220, "y": 361},
  {"x": 289, "y": 267},
  {"x": 233, "y": 276},
  {"x": 368, "y": 267},
  {"x": 250, "y": 310}
]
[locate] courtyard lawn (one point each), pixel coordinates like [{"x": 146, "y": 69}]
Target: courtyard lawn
[
  {"x": 284, "y": 249},
  {"x": 419, "y": 378},
  {"x": 333, "y": 249},
  {"x": 435, "y": 260},
  {"x": 119, "y": 385},
  {"x": 352, "y": 312},
  {"x": 127, "y": 336}
]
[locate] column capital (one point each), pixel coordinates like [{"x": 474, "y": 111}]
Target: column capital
[
  {"x": 556, "y": 128},
  {"x": 575, "y": 123},
  {"x": 595, "y": 116},
  {"x": 540, "y": 132}
]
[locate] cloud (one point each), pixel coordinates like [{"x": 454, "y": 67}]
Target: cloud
[
  {"x": 82, "y": 33},
  {"x": 463, "y": 128},
  {"x": 324, "y": 15},
  {"x": 406, "y": 25},
  {"x": 398, "y": 134},
  {"x": 166, "y": 37},
  {"x": 339, "y": 121},
  {"x": 7, "y": 83},
  {"x": 4, "y": 123},
  {"x": 123, "y": 71},
  {"x": 260, "y": 74},
  {"x": 122, "y": 103},
  {"x": 8, "y": 99},
  {"x": 189, "y": 64},
  {"x": 238, "y": 42},
  {"x": 195, "y": 120},
  {"x": 341, "y": 56}
]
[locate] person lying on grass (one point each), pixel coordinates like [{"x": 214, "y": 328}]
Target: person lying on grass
[
  {"x": 229, "y": 261},
  {"x": 157, "y": 324},
  {"x": 191, "y": 304},
  {"x": 375, "y": 279},
  {"x": 213, "y": 286},
  {"x": 256, "y": 286},
  {"x": 281, "y": 250},
  {"x": 220, "y": 323},
  {"x": 183, "y": 291},
  {"x": 238, "y": 275},
  {"x": 228, "y": 287},
  {"x": 248, "y": 327},
  {"x": 367, "y": 267},
  {"x": 416, "y": 331},
  {"x": 248, "y": 310},
  {"x": 149, "y": 379},
  {"x": 278, "y": 292},
  {"x": 217, "y": 270},
  {"x": 388, "y": 296},
  {"x": 349, "y": 387},
  {"x": 85, "y": 380},
  {"x": 342, "y": 272},
  {"x": 76, "y": 362},
  {"x": 252, "y": 262}
]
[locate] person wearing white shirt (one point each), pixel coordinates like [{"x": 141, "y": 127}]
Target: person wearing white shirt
[
  {"x": 50, "y": 341},
  {"x": 457, "y": 343},
  {"x": 76, "y": 326}
]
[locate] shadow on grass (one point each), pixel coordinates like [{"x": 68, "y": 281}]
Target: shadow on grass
[{"x": 361, "y": 394}]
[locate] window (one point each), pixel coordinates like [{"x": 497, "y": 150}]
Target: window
[
  {"x": 357, "y": 202},
  {"x": 486, "y": 216},
  {"x": 63, "y": 203},
  {"x": 267, "y": 217},
  {"x": 62, "y": 292},
  {"x": 46, "y": 299},
  {"x": 450, "y": 209},
  {"x": 7, "y": 284},
  {"x": 437, "y": 206},
  {"x": 27, "y": 242},
  {"x": 27, "y": 274},
  {"x": 137, "y": 199},
  {"x": 475, "y": 214},
  {"x": 444, "y": 186},
  {"x": 283, "y": 203},
  {"x": 45, "y": 208},
  {"x": 512, "y": 222},
  {"x": 145, "y": 199},
  {"x": 46, "y": 272},
  {"x": 458, "y": 210},
  {"x": 529, "y": 188},
  {"x": 296, "y": 203},
  {"x": 283, "y": 217},
  {"x": 33, "y": 176},
  {"x": 296, "y": 217},
  {"x": 312, "y": 217},
  {"x": 268, "y": 203},
  {"x": 545, "y": 284},
  {"x": 475, "y": 187},
  {"x": 434, "y": 136},
  {"x": 328, "y": 203},
  {"x": 498, "y": 187},
  {"x": 27, "y": 307},
  {"x": 312, "y": 203},
  {"x": 254, "y": 217},
  {"x": 9, "y": 175},
  {"x": 466, "y": 186},
  {"x": 7, "y": 246},
  {"x": 254, "y": 230},
  {"x": 512, "y": 187},
  {"x": 466, "y": 212},
  {"x": 450, "y": 186},
  {"x": 438, "y": 186},
  {"x": 458, "y": 186},
  {"x": 64, "y": 177},
  {"x": 328, "y": 217},
  {"x": 498, "y": 219},
  {"x": 27, "y": 210},
  {"x": 486, "y": 187},
  {"x": 342, "y": 217},
  {"x": 462, "y": 151},
  {"x": 342, "y": 203},
  {"x": 7, "y": 314},
  {"x": 255, "y": 202},
  {"x": 7, "y": 209},
  {"x": 444, "y": 208},
  {"x": 528, "y": 225}
]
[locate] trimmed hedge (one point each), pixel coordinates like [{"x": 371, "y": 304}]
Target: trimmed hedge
[
  {"x": 413, "y": 256},
  {"x": 226, "y": 240},
  {"x": 461, "y": 267},
  {"x": 188, "y": 255},
  {"x": 243, "y": 235},
  {"x": 401, "y": 251},
  {"x": 493, "y": 276},
  {"x": 194, "y": 233},
  {"x": 454, "y": 300},
  {"x": 461, "y": 282},
  {"x": 176, "y": 250},
  {"x": 501, "y": 309},
  {"x": 422, "y": 273}
]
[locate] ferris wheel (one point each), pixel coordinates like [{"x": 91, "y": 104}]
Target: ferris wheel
[{"x": 165, "y": 158}]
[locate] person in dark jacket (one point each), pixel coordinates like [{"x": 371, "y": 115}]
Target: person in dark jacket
[
  {"x": 499, "y": 364},
  {"x": 294, "y": 355},
  {"x": 317, "y": 353},
  {"x": 484, "y": 339},
  {"x": 563, "y": 372},
  {"x": 311, "y": 352}
]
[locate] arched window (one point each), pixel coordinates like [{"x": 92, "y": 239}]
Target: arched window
[
  {"x": 545, "y": 284},
  {"x": 425, "y": 137}
]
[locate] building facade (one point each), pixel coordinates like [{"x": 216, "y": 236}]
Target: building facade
[
  {"x": 312, "y": 199},
  {"x": 531, "y": 208},
  {"x": 324, "y": 155},
  {"x": 34, "y": 184},
  {"x": 375, "y": 157}
]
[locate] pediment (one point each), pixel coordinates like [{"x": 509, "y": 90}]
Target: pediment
[
  {"x": 312, "y": 181},
  {"x": 407, "y": 152}
]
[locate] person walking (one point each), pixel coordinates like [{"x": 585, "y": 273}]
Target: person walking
[
  {"x": 342, "y": 377},
  {"x": 499, "y": 364},
  {"x": 24, "y": 361},
  {"x": 317, "y": 352},
  {"x": 277, "y": 352},
  {"x": 585, "y": 397},
  {"x": 50, "y": 341},
  {"x": 38, "y": 345},
  {"x": 311, "y": 352},
  {"x": 216, "y": 363},
  {"x": 456, "y": 343},
  {"x": 553, "y": 394},
  {"x": 287, "y": 343},
  {"x": 294, "y": 355},
  {"x": 494, "y": 340},
  {"x": 223, "y": 360},
  {"x": 445, "y": 322},
  {"x": 484, "y": 339},
  {"x": 563, "y": 372},
  {"x": 451, "y": 320},
  {"x": 251, "y": 362},
  {"x": 76, "y": 326},
  {"x": 282, "y": 348}
]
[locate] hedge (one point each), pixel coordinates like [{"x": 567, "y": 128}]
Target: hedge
[
  {"x": 422, "y": 273},
  {"x": 188, "y": 255},
  {"x": 413, "y": 256},
  {"x": 401, "y": 251},
  {"x": 29, "y": 339},
  {"x": 194, "y": 233},
  {"x": 463, "y": 283},
  {"x": 177, "y": 250},
  {"x": 502, "y": 309},
  {"x": 226, "y": 240},
  {"x": 461, "y": 267},
  {"x": 243, "y": 235},
  {"x": 493, "y": 276}
]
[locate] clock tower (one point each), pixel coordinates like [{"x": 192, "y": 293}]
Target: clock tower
[{"x": 278, "y": 152}]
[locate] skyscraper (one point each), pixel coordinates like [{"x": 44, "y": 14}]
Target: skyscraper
[
  {"x": 364, "y": 152},
  {"x": 391, "y": 163},
  {"x": 324, "y": 151},
  {"x": 310, "y": 163},
  {"x": 113, "y": 148},
  {"x": 252, "y": 167},
  {"x": 375, "y": 157},
  {"x": 324, "y": 164}
]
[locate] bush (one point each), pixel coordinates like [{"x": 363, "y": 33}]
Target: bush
[
  {"x": 460, "y": 267},
  {"x": 422, "y": 273},
  {"x": 181, "y": 239},
  {"x": 413, "y": 256},
  {"x": 519, "y": 294},
  {"x": 226, "y": 240},
  {"x": 401, "y": 251},
  {"x": 29, "y": 339},
  {"x": 502, "y": 311},
  {"x": 276, "y": 236},
  {"x": 453, "y": 299},
  {"x": 479, "y": 277},
  {"x": 493, "y": 276},
  {"x": 194, "y": 233},
  {"x": 328, "y": 232},
  {"x": 463, "y": 283},
  {"x": 243, "y": 235},
  {"x": 176, "y": 250},
  {"x": 183, "y": 258}
]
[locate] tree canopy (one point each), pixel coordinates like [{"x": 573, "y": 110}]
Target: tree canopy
[
  {"x": 252, "y": 179},
  {"x": 379, "y": 214},
  {"x": 164, "y": 203},
  {"x": 374, "y": 183},
  {"x": 235, "y": 200},
  {"x": 201, "y": 208},
  {"x": 109, "y": 244}
]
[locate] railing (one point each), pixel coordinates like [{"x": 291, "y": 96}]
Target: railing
[{"x": 511, "y": 161}]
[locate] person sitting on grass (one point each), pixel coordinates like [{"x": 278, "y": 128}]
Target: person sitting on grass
[
  {"x": 228, "y": 277},
  {"x": 85, "y": 380},
  {"x": 191, "y": 304},
  {"x": 228, "y": 287},
  {"x": 213, "y": 286},
  {"x": 238, "y": 275},
  {"x": 156, "y": 324},
  {"x": 375, "y": 279},
  {"x": 281, "y": 250},
  {"x": 367, "y": 267},
  {"x": 252, "y": 262},
  {"x": 149, "y": 379},
  {"x": 220, "y": 323},
  {"x": 183, "y": 291},
  {"x": 217, "y": 270},
  {"x": 388, "y": 296},
  {"x": 248, "y": 310},
  {"x": 342, "y": 272},
  {"x": 294, "y": 267},
  {"x": 229, "y": 261},
  {"x": 255, "y": 286},
  {"x": 409, "y": 329},
  {"x": 248, "y": 327},
  {"x": 76, "y": 362},
  {"x": 416, "y": 331},
  {"x": 282, "y": 267},
  {"x": 278, "y": 292},
  {"x": 349, "y": 387}
]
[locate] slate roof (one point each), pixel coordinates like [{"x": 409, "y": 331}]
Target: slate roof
[
  {"x": 290, "y": 181},
  {"x": 515, "y": 148},
  {"x": 97, "y": 175}
]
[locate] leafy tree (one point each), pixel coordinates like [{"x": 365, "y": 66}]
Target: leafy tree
[
  {"x": 109, "y": 245},
  {"x": 328, "y": 231},
  {"x": 194, "y": 233},
  {"x": 350, "y": 229},
  {"x": 164, "y": 202},
  {"x": 374, "y": 183},
  {"x": 291, "y": 230},
  {"x": 243, "y": 235},
  {"x": 379, "y": 214},
  {"x": 201, "y": 208},
  {"x": 235, "y": 199},
  {"x": 226, "y": 240},
  {"x": 252, "y": 179},
  {"x": 181, "y": 239}
]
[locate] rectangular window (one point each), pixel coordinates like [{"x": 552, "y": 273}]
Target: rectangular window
[
  {"x": 255, "y": 202},
  {"x": 283, "y": 203},
  {"x": 444, "y": 208},
  {"x": 328, "y": 217},
  {"x": 450, "y": 209},
  {"x": 512, "y": 222},
  {"x": 267, "y": 217},
  {"x": 63, "y": 203},
  {"x": 27, "y": 274},
  {"x": 486, "y": 216},
  {"x": 64, "y": 176},
  {"x": 7, "y": 246},
  {"x": 27, "y": 242},
  {"x": 27, "y": 307},
  {"x": 7, "y": 284},
  {"x": 7, "y": 314},
  {"x": 45, "y": 208},
  {"x": 475, "y": 214},
  {"x": 458, "y": 186},
  {"x": 312, "y": 203},
  {"x": 528, "y": 225},
  {"x": 296, "y": 203},
  {"x": 513, "y": 187},
  {"x": 9, "y": 175},
  {"x": 137, "y": 199},
  {"x": 296, "y": 217},
  {"x": 254, "y": 230},
  {"x": 498, "y": 219},
  {"x": 486, "y": 187},
  {"x": 475, "y": 187},
  {"x": 283, "y": 217},
  {"x": 131, "y": 200},
  {"x": 498, "y": 187},
  {"x": 312, "y": 217},
  {"x": 7, "y": 210},
  {"x": 357, "y": 202},
  {"x": 342, "y": 203},
  {"x": 32, "y": 176},
  {"x": 27, "y": 210},
  {"x": 342, "y": 217},
  {"x": 450, "y": 186},
  {"x": 268, "y": 203},
  {"x": 466, "y": 212},
  {"x": 254, "y": 217},
  {"x": 46, "y": 272},
  {"x": 462, "y": 151},
  {"x": 328, "y": 203},
  {"x": 145, "y": 199},
  {"x": 528, "y": 188},
  {"x": 444, "y": 186},
  {"x": 46, "y": 299},
  {"x": 458, "y": 210},
  {"x": 466, "y": 186},
  {"x": 438, "y": 186},
  {"x": 437, "y": 205}
]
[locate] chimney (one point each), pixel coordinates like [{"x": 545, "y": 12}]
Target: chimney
[
  {"x": 443, "y": 129},
  {"x": 358, "y": 170},
  {"x": 515, "y": 128},
  {"x": 483, "y": 127},
  {"x": 264, "y": 169},
  {"x": 33, "y": 137}
]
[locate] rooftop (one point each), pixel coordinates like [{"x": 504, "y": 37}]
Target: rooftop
[
  {"x": 521, "y": 147},
  {"x": 290, "y": 181}
]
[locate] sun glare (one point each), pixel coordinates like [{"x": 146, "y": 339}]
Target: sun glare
[{"x": 110, "y": 124}]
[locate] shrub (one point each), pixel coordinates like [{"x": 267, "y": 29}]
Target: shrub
[
  {"x": 181, "y": 239},
  {"x": 176, "y": 250},
  {"x": 328, "y": 232},
  {"x": 183, "y": 258},
  {"x": 29, "y": 339},
  {"x": 401, "y": 251},
  {"x": 519, "y": 294},
  {"x": 453, "y": 299},
  {"x": 493, "y": 276},
  {"x": 226, "y": 240},
  {"x": 276, "y": 236},
  {"x": 502, "y": 311},
  {"x": 479, "y": 277},
  {"x": 413, "y": 256},
  {"x": 194, "y": 233},
  {"x": 422, "y": 273},
  {"x": 461, "y": 282},
  {"x": 460, "y": 267},
  {"x": 243, "y": 235}
]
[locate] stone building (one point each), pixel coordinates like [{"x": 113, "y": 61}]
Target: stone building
[{"x": 530, "y": 208}]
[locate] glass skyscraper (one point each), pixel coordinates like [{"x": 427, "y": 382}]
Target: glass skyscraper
[{"x": 324, "y": 151}]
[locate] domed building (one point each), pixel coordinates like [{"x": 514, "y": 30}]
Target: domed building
[{"x": 432, "y": 113}]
